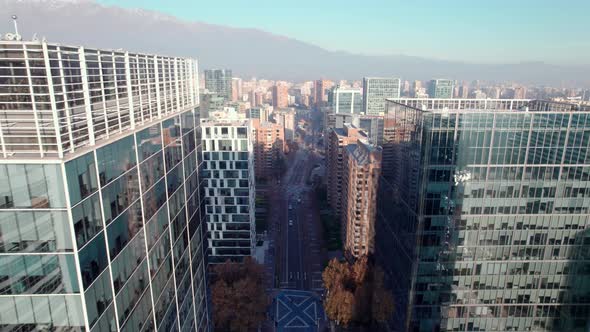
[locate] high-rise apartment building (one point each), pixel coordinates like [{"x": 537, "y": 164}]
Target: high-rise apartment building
[
  {"x": 99, "y": 191},
  {"x": 286, "y": 118},
  {"x": 338, "y": 139},
  {"x": 320, "y": 97},
  {"x": 347, "y": 100},
  {"x": 236, "y": 89},
  {"x": 463, "y": 91},
  {"x": 269, "y": 147},
  {"x": 228, "y": 173},
  {"x": 280, "y": 96},
  {"x": 360, "y": 178},
  {"x": 519, "y": 92},
  {"x": 486, "y": 211},
  {"x": 371, "y": 124},
  {"x": 441, "y": 88},
  {"x": 376, "y": 90},
  {"x": 219, "y": 81}
]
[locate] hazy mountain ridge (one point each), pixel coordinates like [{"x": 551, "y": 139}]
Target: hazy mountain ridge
[{"x": 249, "y": 52}]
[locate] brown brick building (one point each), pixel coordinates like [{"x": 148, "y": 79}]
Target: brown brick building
[
  {"x": 338, "y": 139},
  {"x": 280, "y": 96},
  {"x": 269, "y": 146},
  {"x": 360, "y": 179}
]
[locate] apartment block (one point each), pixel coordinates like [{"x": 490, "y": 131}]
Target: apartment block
[
  {"x": 100, "y": 207},
  {"x": 320, "y": 96},
  {"x": 269, "y": 148},
  {"x": 286, "y": 118},
  {"x": 360, "y": 179},
  {"x": 338, "y": 139},
  {"x": 280, "y": 96},
  {"x": 228, "y": 176}
]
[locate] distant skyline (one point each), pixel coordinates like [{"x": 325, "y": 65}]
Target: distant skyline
[{"x": 471, "y": 31}]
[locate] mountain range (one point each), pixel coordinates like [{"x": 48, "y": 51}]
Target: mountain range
[{"x": 250, "y": 52}]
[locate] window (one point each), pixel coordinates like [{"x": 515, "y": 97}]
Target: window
[
  {"x": 31, "y": 186},
  {"x": 115, "y": 159},
  {"x": 149, "y": 141},
  {"x": 81, "y": 177},
  {"x": 87, "y": 220}
]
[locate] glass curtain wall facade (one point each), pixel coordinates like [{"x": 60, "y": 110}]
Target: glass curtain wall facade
[
  {"x": 376, "y": 90},
  {"x": 487, "y": 214},
  {"x": 441, "y": 88},
  {"x": 100, "y": 219},
  {"x": 219, "y": 81},
  {"x": 347, "y": 101}
]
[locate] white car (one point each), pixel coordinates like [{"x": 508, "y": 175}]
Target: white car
[
  {"x": 290, "y": 207},
  {"x": 290, "y": 222},
  {"x": 298, "y": 200}
]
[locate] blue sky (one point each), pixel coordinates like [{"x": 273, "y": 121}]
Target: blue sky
[{"x": 479, "y": 31}]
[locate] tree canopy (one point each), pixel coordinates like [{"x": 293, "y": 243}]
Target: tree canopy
[
  {"x": 238, "y": 296},
  {"x": 356, "y": 294}
]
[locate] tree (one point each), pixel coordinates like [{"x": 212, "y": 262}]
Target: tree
[
  {"x": 238, "y": 296},
  {"x": 356, "y": 293},
  {"x": 339, "y": 301}
]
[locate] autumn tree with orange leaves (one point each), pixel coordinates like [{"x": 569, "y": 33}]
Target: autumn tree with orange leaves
[
  {"x": 238, "y": 296},
  {"x": 356, "y": 295}
]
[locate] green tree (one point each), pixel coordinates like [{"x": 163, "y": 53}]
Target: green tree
[{"x": 238, "y": 296}]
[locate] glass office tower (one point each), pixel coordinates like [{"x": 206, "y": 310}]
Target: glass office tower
[
  {"x": 100, "y": 217},
  {"x": 441, "y": 88},
  {"x": 219, "y": 81},
  {"x": 487, "y": 214},
  {"x": 375, "y": 92}
]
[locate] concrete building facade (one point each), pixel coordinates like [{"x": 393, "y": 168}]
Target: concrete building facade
[{"x": 229, "y": 186}]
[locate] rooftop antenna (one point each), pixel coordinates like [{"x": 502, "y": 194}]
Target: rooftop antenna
[{"x": 15, "y": 25}]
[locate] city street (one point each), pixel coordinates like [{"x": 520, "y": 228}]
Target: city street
[{"x": 295, "y": 219}]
